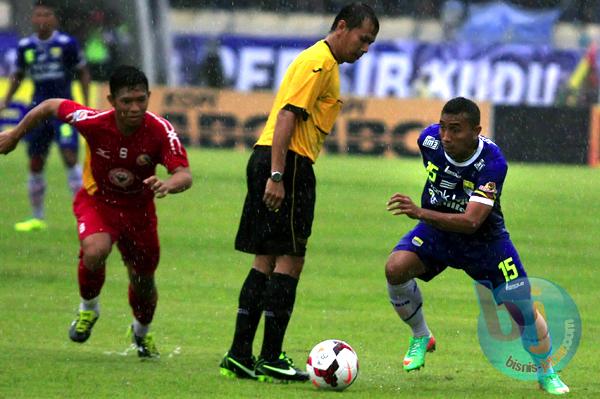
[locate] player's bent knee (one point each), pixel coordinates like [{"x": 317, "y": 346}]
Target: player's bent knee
[
  {"x": 95, "y": 255},
  {"x": 393, "y": 273},
  {"x": 401, "y": 266}
]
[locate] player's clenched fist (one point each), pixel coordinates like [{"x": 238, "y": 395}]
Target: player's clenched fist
[{"x": 158, "y": 186}]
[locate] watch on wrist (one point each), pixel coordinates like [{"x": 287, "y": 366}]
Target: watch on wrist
[{"x": 276, "y": 176}]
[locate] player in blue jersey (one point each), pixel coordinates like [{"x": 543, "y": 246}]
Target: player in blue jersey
[
  {"x": 50, "y": 58},
  {"x": 461, "y": 225}
]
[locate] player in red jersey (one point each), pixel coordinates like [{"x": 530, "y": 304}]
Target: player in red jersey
[{"x": 116, "y": 202}]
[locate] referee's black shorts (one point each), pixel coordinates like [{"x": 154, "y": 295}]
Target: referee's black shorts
[{"x": 285, "y": 232}]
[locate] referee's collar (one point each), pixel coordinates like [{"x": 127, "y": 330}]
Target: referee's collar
[{"x": 329, "y": 46}]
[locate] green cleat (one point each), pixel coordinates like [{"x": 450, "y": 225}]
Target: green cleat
[
  {"x": 237, "y": 368},
  {"x": 81, "y": 327},
  {"x": 145, "y": 346},
  {"x": 32, "y": 224},
  {"x": 552, "y": 384},
  {"x": 279, "y": 370},
  {"x": 415, "y": 355}
]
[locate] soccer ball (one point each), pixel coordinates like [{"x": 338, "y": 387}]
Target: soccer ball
[{"x": 332, "y": 364}]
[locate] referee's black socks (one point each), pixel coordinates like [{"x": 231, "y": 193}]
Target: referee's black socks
[
  {"x": 280, "y": 295},
  {"x": 249, "y": 312}
]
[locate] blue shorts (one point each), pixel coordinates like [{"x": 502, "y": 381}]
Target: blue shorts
[
  {"x": 493, "y": 263},
  {"x": 40, "y": 138}
]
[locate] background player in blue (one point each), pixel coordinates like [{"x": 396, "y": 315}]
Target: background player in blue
[
  {"x": 51, "y": 58},
  {"x": 461, "y": 225}
]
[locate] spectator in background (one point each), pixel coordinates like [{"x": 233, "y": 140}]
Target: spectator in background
[
  {"x": 452, "y": 16},
  {"x": 51, "y": 58},
  {"x": 107, "y": 43},
  {"x": 581, "y": 89},
  {"x": 211, "y": 68}
]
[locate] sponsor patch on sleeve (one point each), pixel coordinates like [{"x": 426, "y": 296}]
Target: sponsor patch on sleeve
[
  {"x": 487, "y": 190},
  {"x": 431, "y": 142}
]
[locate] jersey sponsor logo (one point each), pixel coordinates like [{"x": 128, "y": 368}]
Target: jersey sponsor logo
[
  {"x": 103, "y": 153},
  {"x": 143, "y": 160},
  {"x": 457, "y": 205},
  {"x": 120, "y": 177},
  {"x": 443, "y": 198},
  {"x": 468, "y": 186},
  {"x": 479, "y": 165},
  {"x": 451, "y": 172},
  {"x": 431, "y": 142},
  {"x": 56, "y": 52},
  {"x": 29, "y": 56},
  {"x": 435, "y": 195},
  {"x": 447, "y": 184},
  {"x": 510, "y": 287}
]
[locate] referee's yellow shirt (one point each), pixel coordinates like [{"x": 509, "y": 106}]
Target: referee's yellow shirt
[{"x": 311, "y": 85}]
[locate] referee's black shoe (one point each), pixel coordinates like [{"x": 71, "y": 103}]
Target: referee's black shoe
[
  {"x": 234, "y": 367},
  {"x": 279, "y": 370}
]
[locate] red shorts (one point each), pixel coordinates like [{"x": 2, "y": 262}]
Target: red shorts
[{"x": 134, "y": 229}]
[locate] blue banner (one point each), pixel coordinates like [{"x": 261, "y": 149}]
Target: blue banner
[
  {"x": 500, "y": 73},
  {"x": 509, "y": 74},
  {"x": 500, "y": 22}
]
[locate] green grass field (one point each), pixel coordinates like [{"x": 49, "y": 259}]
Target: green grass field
[{"x": 551, "y": 211}]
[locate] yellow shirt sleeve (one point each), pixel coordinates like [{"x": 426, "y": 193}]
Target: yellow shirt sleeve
[{"x": 304, "y": 85}]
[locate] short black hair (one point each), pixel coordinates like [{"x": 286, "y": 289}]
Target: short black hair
[
  {"x": 126, "y": 76},
  {"x": 52, "y": 4},
  {"x": 354, "y": 14},
  {"x": 459, "y": 105}
]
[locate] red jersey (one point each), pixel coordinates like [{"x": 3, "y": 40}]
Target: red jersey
[{"x": 115, "y": 164}]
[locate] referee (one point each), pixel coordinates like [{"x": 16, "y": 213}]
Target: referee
[{"x": 278, "y": 211}]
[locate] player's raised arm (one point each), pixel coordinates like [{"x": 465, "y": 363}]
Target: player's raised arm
[{"x": 9, "y": 138}]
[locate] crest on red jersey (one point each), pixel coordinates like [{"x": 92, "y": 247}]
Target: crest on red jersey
[
  {"x": 143, "y": 160},
  {"x": 120, "y": 177}
]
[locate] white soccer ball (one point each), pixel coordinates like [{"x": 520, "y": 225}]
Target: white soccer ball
[{"x": 332, "y": 364}]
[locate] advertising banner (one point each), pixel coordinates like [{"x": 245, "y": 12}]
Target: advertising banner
[
  {"x": 508, "y": 74},
  {"x": 229, "y": 119}
]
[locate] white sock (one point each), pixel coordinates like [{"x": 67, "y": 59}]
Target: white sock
[
  {"x": 90, "y": 304},
  {"x": 408, "y": 303},
  {"x": 74, "y": 178},
  {"x": 36, "y": 188},
  {"x": 140, "y": 329}
]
